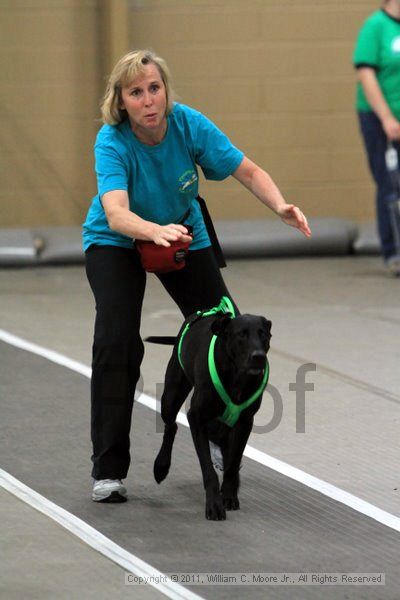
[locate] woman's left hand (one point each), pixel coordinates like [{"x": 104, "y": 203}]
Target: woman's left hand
[{"x": 292, "y": 215}]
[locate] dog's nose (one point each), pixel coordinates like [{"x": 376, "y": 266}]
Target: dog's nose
[{"x": 257, "y": 359}]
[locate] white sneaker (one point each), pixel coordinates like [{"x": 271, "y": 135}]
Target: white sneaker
[
  {"x": 109, "y": 490},
  {"x": 216, "y": 456}
]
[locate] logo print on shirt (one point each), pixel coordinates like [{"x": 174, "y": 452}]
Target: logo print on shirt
[
  {"x": 186, "y": 181},
  {"x": 396, "y": 44}
]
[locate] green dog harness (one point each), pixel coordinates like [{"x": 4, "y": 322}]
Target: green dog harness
[{"x": 232, "y": 411}]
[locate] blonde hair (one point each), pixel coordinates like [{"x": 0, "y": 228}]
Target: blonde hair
[{"x": 125, "y": 71}]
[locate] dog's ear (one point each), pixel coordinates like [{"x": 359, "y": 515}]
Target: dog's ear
[
  {"x": 220, "y": 324},
  {"x": 266, "y": 325}
]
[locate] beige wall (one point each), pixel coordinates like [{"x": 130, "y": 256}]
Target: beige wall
[
  {"x": 48, "y": 105},
  {"x": 276, "y": 75}
]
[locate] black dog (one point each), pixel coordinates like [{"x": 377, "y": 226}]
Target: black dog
[{"x": 239, "y": 346}]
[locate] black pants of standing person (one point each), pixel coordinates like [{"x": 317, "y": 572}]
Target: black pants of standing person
[
  {"x": 118, "y": 283},
  {"x": 376, "y": 142}
]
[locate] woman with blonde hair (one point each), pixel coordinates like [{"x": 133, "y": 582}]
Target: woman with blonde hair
[{"x": 147, "y": 156}]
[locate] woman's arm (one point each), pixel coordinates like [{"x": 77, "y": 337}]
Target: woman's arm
[
  {"x": 123, "y": 220},
  {"x": 373, "y": 93},
  {"x": 261, "y": 185}
]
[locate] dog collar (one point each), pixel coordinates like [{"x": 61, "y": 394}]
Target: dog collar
[{"x": 232, "y": 411}]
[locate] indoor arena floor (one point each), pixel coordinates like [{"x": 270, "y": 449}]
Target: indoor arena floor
[{"x": 320, "y": 480}]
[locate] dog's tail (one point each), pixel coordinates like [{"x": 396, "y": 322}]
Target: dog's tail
[{"x": 166, "y": 340}]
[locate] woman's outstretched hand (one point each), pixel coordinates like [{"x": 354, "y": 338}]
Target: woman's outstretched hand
[{"x": 292, "y": 215}]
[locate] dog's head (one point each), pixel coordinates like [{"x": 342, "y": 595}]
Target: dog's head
[{"x": 247, "y": 339}]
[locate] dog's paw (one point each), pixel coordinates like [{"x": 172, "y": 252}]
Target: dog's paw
[
  {"x": 215, "y": 510},
  {"x": 231, "y": 503},
  {"x": 160, "y": 471}
]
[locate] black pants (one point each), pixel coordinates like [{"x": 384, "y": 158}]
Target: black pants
[{"x": 118, "y": 283}]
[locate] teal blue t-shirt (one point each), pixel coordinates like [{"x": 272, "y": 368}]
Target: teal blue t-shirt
[{"x": 161, "y": 180}]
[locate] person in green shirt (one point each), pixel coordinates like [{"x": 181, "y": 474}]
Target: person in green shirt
[{"x": 377, "y": 60}]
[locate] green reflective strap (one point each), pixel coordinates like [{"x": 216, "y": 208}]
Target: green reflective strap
[
  {"x": 231, "y": 415},
  {"x": 232, "y": 411},
  {"x": 180, "y": 345},
  {"x": 230, "y": 305},
  {"x": 225, "y": 307},
  {"x": 214, "y": 374}
]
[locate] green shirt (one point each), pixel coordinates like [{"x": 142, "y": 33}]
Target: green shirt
[{"x": 378, "y": 47}]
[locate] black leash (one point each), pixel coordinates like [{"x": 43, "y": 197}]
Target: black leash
[{"x": 219, "y": 255}]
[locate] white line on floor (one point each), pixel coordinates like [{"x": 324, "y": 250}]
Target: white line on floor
[
  {"x": 95, "y": 539},
  {"x": 279, "y": 466}
]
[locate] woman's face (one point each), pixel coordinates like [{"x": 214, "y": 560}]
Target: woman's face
[{"x": 145, "y": 101}]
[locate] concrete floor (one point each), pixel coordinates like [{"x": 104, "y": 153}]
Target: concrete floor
[{"x": 340, "y": 314}]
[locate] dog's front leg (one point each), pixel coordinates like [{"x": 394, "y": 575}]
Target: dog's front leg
[
  {"x": 215, "y": 510},
  {"x": 237, "y": 443}
]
